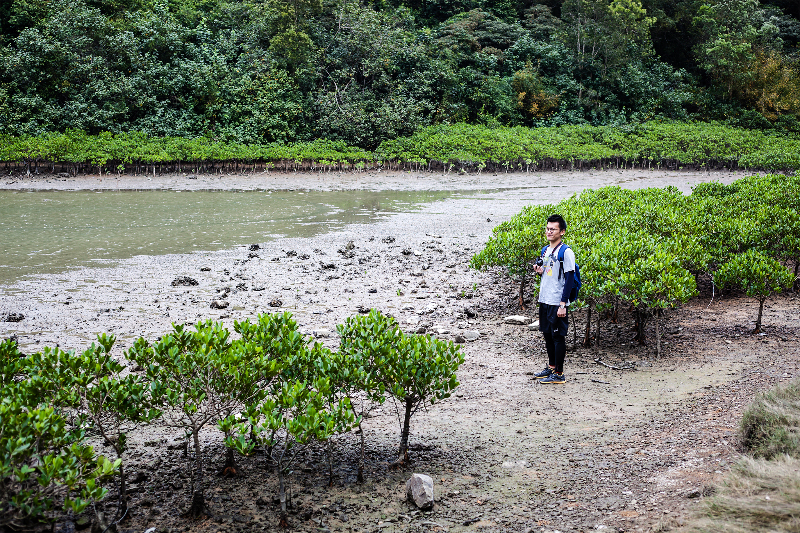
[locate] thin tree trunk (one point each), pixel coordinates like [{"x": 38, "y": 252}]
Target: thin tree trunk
[
  {"x": 597, "y": 332},
  {"x": 123, "y": 493},
  {"x": 658, "y": 340},
  {"x": 361, "y": 457},
  {"x": 760, "y": 313},
  {"x": 522, "y": 292},
  {"x": 329, "y": 450},
  {"x": 587, "y": 336},
  {"x": 284, "y": 520},
  {"x": 403, "y": 456},
  {"x": 197, "y": 509}
]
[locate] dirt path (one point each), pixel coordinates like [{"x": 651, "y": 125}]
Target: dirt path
[{"x": 624, "y": 450}]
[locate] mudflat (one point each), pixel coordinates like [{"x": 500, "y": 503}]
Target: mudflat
[{"x": 629, "y": 442}]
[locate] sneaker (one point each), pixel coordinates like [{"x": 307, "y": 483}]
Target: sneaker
[
  {"x": 544, "y": 373},
  {"x": 554, "y": 378}
]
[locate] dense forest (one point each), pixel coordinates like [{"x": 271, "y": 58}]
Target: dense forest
[{"x": 363, "y": 72}]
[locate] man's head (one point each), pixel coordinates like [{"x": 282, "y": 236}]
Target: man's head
[{"x": 555, "y": 228}]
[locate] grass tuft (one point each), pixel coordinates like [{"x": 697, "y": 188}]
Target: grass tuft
[
  {"x": 758, "y": 495},
  {"x": 771, "y": 424}
]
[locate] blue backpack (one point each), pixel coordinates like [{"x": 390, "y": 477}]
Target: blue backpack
[{"x": 576, "y": 284}]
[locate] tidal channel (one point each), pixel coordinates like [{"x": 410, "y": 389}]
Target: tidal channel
[{"x": 45, "y": 232}]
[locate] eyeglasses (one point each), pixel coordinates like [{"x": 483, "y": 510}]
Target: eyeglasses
[{"x": 550, "y": 230}]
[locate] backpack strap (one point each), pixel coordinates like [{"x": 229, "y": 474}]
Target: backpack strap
[{"x": 562, "y": 248}]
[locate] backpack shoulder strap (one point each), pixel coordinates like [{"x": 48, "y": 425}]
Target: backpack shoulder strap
[{"x": 562, "y": 248}]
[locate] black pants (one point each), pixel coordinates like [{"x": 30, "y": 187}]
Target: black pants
[{"x": 554, "y": 329}]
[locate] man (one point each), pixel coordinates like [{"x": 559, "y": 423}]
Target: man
[{"x": 557, "y": 282}]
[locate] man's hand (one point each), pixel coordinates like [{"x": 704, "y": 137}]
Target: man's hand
[
  {"x": 539, "y": 270},
  {"x": 562, "y": 310}
]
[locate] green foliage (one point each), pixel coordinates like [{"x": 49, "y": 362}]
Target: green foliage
[
  {"x": 284, "y": 71},
  {"x": 644, "y": 248},
  {"x": 44, "y": 464},
  {"x": 757, "y": 274},
  {"x": 413, "y": 369},
  {"x": 204, "y": 378}
]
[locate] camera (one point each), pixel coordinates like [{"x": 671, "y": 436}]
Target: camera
[{"x": 539, "y": 262}]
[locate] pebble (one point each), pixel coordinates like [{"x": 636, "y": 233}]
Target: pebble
[{"x": 518, "y": 320}]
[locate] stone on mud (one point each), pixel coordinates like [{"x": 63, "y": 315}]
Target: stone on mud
[
  {"x": 13, "y": 317},
  {"x": 185, "y": 281},
  {"x": 275, "y": 302},
  {"x": 471, "y": 335},
  {"x": 219, "y": 304},
  {"x": 419, "y": 489},
  {"x": 518, "y": 320}
]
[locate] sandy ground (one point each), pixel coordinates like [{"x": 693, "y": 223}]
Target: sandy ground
[{"x": 620, "y": 450}]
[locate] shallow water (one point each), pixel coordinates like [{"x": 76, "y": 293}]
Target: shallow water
[{"x": 51, "y": 231}]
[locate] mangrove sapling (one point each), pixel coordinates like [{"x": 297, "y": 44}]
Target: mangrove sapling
[
  {"x": 417, "y": 368},
  {"x": 294, "y": 416},
  {"x": 354, "y": 369},
  {"x": 44, "y": 464},
  {"x": 109, "y": 400},
  {"x": 759, "y": 275},
  {"x": 204, "y": 378}
]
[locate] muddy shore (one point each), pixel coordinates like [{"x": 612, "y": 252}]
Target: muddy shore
[{"x": 625, "y": 450}]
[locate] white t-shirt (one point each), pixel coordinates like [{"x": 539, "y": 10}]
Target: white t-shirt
[{"x": 552, "y": 285}]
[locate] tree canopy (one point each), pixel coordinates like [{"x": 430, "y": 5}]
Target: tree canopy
[{"x": 278, "y": 71}]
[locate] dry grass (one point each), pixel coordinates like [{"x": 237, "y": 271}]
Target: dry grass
[
  {"x": 762, "y": 491},
  {"x": 771, "y": 424},
  {"x": 758, "y": 495}
]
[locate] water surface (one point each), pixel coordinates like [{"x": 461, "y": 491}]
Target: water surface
[{"x": 50, "y": 231}]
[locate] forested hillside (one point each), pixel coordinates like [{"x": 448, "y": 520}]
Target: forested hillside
[{"x": 364, "y": 72}]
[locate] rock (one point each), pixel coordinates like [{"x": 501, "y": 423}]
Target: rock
[
  {"x": 373, "y": 290},
  {"x": 275, "y": 302},
  {"x": 219, "y": 304},
  {"x": 387, "y": 240},
  {"x": 13, "y": 317},
  {"x": 518, "y": 320},
  {"x": 321, "y": 333},
  {"x": 419, "y": 489},
  {"x": 305, "y": 256},
  {"x": 363, "y": 310},
  {"x": 471, "y": 335},
  {"x": 64, "y": 174},
  {"x": 259, "y": 289},
  {"x": 459, "y": 339},
  {"x": 254, "y": 247},
  {"x": 533, "y": 326},
  {"x": 470, "y": 312},
  {"x": 184, "y": 281},
  {"x": 350, "y": 245},
  {"x": 407, "y": 251},
  {"x": 693, "y": 493},
  {"x": 252, "y": 255},
  {"x": 205, "y": 269},
  {"x": 417, "y": 253},
  {"x": 421, "y": 330},
  {"x": 327, "y": 266},
  {"x": 241, "y": 286}
]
